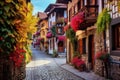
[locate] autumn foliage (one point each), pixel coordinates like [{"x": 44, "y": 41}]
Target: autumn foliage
[{"x": 16, "y": 23}]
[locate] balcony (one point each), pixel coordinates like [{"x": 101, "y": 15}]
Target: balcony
[
  {"x": 86, "y": 17},
  {"x": 61, "y": 20},
  {"x": 90, "y": 16}
]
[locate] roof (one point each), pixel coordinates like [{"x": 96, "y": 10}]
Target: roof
[
  {"x": 51, "y": 7},
  {"x": 42, "y": 15},
  {"x": 62, "y": 1}
]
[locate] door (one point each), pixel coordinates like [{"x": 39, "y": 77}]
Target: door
[
  {"x": 61, "y": 46},
  {"x": 70, "y": 54},
  {"x": 91, "y": 54}
]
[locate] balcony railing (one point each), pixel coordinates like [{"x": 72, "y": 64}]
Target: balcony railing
[
  {"x": 91, "y": 13},
  {"x": 90, "y": 16},
  {"x": 61, "y": 20}
]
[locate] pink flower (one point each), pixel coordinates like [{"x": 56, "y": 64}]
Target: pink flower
[
  {"x": 77, "y": 20},
  {"x": 77, "y": 62}
]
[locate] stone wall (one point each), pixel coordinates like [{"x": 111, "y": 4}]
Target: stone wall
[
  {"x": 115, "y": 69},
  {"x": 9, "y": 72}
]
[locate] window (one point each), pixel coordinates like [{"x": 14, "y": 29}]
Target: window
[
  {"x": 70, "y": 14},
  {"x": 60, "y": 30},
  {"x": 65, "y": 14},
  {"x": 116, "y": 37},
  {"x": 78, "y": 5},
  {"x": 53, "y": 14},
  {"x": 84, "y": 45},
  {"x": 91, "y": 2},
  {"x": 50, "y": 23},
  {"x": 76, "y": 9},
  {"x": 103, "y": 5},
  {"x": 50, "y": 44}
]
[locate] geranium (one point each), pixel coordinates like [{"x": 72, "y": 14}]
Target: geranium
[
  {"x": 77, "y": 62},
  {"x": 77, "y": 20},
  {"x": 17, "y": 56},
  {"x": 102, "y": 55}
]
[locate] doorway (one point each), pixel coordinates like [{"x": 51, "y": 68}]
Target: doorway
[{"x": 91, "y": 53}]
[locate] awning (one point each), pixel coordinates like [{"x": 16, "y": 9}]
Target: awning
[
  {"x": 49, "y": 35},
  {"x": 61, "y": 38}
]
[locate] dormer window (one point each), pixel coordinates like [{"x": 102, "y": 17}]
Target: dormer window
[{"x": 91, "y": 2}]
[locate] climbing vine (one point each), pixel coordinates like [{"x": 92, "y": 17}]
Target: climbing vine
[
  {"x": 70, "y": 33},
  {"x": 103, "y": 21}
]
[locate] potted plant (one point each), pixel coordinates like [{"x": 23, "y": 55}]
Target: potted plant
[
  {"x": 102, "y": 55},
  {"x": 55, "y": 54},
  {"x": 78, "y": 63}
]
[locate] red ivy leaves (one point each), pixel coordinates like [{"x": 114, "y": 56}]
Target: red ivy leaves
[{"x": 17, "y": 56}]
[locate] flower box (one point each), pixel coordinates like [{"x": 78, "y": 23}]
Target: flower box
[{"x": 78, "y": 63}]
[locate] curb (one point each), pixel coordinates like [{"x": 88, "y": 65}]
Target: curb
[{"x": 68, "y": 70}]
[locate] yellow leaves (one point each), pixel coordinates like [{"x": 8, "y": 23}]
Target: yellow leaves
[
  {"x": 24, "y": 23},
  {"x": 17, "y": 21},
  {"x": 30, "y": 7},
  {"x": 8, "y": 1}
]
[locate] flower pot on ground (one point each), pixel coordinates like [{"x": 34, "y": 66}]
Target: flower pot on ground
[
  {"x": 78, "y": 63},
  {"x": 55, "y": 54}
]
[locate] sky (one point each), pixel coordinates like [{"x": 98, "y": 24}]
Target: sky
[{"x": 41, "y": 5}]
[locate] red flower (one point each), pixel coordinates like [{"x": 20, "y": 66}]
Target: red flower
[
  {"x": 102, "y": 55},
  {"x": 77, "y": 62},
  {"x": 77, "y": 20},
  {"x": 17, "y": 56}
]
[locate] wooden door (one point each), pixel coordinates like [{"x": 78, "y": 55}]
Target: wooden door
[
  {"x": 70, "y": 54},
  {"x": 60, "y": 46},
  {"x": 80, "y": 46},
  {"x": 91, "y": 54}
]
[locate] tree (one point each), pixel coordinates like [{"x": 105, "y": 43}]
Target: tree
[{"x": 16, "y": 21}]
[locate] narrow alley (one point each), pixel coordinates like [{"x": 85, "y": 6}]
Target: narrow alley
[{"x": 44, "y": 67}]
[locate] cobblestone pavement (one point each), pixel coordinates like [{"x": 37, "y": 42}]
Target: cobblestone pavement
[{"x": 43, "y": 67}]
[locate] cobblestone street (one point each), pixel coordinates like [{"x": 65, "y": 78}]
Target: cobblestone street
[{"x": 44, "y": 67}]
